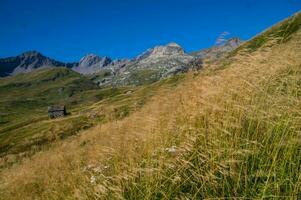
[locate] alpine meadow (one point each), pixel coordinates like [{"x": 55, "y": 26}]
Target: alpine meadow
[{"x": 218, "y": 123}]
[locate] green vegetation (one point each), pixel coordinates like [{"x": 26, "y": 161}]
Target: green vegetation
[
  {"x": 250, "y": 151},
  {"x": 26, "y": 96},
  {"x": 25, "y": 127},
  {"x": 280, "y": 33},
  {"x": 230, "y": 133},
  {"x": 143, "y": 76}
]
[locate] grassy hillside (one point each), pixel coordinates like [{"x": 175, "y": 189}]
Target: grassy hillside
[
  {"x": 28, "y": 95},
  {"x": 24, "y": 102},
  {"x": 226, "y": 133},
  {"x": 26, "y": 128},
  {"x": 280, "y": 33}
]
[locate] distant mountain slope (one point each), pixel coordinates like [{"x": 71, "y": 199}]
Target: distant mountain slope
[
  {"x": 153, "y": 64},
  {"x": 160, "y": 62},
  {"x": 26, "y": 62},
  {"x": 37, "y": 90},
  {"x": 218, "y": 51},
  {"x": 91, "y": 64},
  {"x": 24, "y": 99},
  {"x": 56, "y": 83}
]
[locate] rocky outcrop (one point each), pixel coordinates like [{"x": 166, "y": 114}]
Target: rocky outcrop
[
  {"x": 218, "y": 51},
  {"x": 26, "y": 62},
  {"x": 171, "y": 49},
  {"x": 154, "y": 64},
  {"x": 91, "y": 64}
]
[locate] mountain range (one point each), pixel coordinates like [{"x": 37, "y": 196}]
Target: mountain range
[{"x": 153, "y": 64}]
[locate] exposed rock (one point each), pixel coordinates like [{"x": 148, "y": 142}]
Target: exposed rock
[
  {"x": 196, "y": 64},
  {"x": 219, "y": 50},
  {"x": 26, "y": 62},
  {"x": 171, "y": 49},
  {"x": 117, "y": 66},
  {"x": 91, "y": 64},
  {"x": 154, "y": 64}
]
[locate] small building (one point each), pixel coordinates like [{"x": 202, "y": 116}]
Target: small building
[{"x": 56, "y": 111}]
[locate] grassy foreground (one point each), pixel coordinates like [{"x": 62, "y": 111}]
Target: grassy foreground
[{"x": 232, "y": 133}]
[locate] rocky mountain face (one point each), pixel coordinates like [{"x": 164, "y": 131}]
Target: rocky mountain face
[
  {"x": 218, "y": 51},
  {"x": 155, "y": 63},
  {"x": 26, "y": 62},
  {"x": 91, "y": 64},
  {"x": 152, "y": 65},
  {"x": 31, "y": 60},
  {"x": 164, "y": 61},
  {"x": 171, "y": 49}
]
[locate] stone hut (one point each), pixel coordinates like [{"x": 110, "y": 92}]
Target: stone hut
[{"x": 56, "y": 111}]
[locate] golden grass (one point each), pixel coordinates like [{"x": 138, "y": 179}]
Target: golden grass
[{"x": 231, "y": 133}]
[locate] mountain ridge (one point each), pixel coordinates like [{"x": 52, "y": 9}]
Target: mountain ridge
[
  {"x": 27, "y": 62},
  {"x": 171, "y": 54},
  {"x": 218, "y": 51}
]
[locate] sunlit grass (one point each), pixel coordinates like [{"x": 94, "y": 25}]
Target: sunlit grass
[{"x": 232, "y": 133}]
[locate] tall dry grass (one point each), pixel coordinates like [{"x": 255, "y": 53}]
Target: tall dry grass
[{"x": 223, "y": 134}]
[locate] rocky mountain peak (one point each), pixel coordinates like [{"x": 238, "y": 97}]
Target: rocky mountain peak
[
  {"x": 168, "y": 50},
  {"x": 92, "y": 63},
  {"x": 26, "y": 62},
  {"x": 173, "y": 44},
  {"x": 89, "y": 56},
  {"x": 92, "y": 59},
  {"x": 34, "y": 59},
  {"x": 171, "y": 49}
]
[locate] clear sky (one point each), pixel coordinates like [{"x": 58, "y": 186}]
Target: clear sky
[{"x": 68, "y": 29}]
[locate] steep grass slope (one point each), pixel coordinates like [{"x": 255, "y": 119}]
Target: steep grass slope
[
  {"x": 24, "y": 102},
  {"x": 25, "y": 94},
  {"x": 26, "y": 128},
  {"x": 228, "y": 133}
]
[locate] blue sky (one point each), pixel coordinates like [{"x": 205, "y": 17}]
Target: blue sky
[{"x": 68, "y": 29}]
